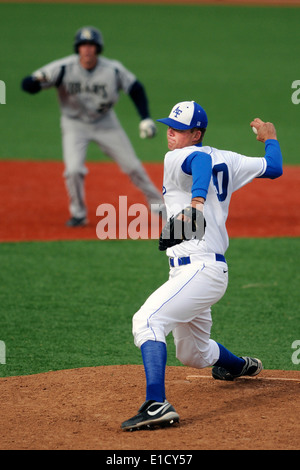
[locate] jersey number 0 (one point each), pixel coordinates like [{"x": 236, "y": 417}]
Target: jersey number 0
[{"x": 220, "y": 178}]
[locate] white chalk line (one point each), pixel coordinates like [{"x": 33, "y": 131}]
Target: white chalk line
[{"x": 283, "y": 379}]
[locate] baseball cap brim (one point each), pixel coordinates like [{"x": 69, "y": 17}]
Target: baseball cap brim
[{"x": 174, "y": 124}]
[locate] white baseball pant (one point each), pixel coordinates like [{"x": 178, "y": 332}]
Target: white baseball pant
[{"x": 183, "y": 305}]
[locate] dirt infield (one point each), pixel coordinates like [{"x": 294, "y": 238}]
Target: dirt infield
[
  {"x": 83, "y": 409},
  {"x": 35, "y": 206}
]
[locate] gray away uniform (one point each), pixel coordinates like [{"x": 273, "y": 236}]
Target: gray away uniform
[{"x": 86, "y": 100}]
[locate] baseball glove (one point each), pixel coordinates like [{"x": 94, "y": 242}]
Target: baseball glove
[
  {"x": 186, "y": 225},
  {"x": 147, "y": 128}
]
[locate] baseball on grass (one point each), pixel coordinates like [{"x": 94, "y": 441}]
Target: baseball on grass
[{"x": 254, "y": 130}]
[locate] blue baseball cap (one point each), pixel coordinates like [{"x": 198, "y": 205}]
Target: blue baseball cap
[{"x": 186, "y": 115}]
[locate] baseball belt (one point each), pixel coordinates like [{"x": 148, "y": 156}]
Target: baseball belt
[{"x": 187, "y": 260}]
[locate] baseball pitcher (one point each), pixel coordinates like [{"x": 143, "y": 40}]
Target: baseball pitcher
[
  {"x": 88, "y": 86},
  {"x": 198, "y": 184}
]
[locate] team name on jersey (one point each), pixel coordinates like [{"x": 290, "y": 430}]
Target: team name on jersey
[{"x": 74, "y": 88}]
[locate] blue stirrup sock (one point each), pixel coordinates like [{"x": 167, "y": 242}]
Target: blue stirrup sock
[
  {"x": 154, "y": 354},
  {"x": 229, "y": 361}
]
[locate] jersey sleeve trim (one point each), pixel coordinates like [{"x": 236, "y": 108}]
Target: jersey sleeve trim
[
  {"x": 138, "y": 95},
  {"x": 60, "y": 76},
  {"x": 199, "y": 166},
  {"x": 272, "y": 159}
]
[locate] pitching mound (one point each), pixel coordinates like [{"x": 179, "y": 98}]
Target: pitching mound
[{"x": 83, "y": 409}]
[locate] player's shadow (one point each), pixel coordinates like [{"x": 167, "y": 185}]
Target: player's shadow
[{"x": 263, "y": 394}]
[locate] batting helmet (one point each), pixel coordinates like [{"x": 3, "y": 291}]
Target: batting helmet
[{"x": 88, "y": 35}]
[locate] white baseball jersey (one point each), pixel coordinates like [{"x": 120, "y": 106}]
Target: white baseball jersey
[
  {"x": 183, "y": 303},
  {"x": 230, "y": 171},
  {"x": 83, "y": 94}
]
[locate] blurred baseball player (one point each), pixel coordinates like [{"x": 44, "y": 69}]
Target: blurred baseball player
[
  {"x": 198, "y": 184},
  {"x": 88, "y": 87}
]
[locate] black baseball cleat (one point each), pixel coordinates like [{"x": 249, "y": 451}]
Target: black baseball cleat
[
  {"x": 152, "y": 414},
  {"x": 252, "y": 367},
  {"x": 76, "y": 222}
]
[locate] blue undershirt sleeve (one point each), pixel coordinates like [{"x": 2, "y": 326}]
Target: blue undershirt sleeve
[
  {"x": 199, "y": 165},
  {"x": 273, "y": 158}
]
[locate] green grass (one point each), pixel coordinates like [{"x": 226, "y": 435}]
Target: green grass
[
  {"x": 238, "y": 62},
  {"x": 69, "y": 304}
]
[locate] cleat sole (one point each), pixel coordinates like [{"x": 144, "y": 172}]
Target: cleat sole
[{"x": 166, "y": 421}]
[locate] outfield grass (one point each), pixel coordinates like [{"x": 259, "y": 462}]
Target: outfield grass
[
  {"x": 69, "y": 304},
  {"x": 239, "y": 62}
]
